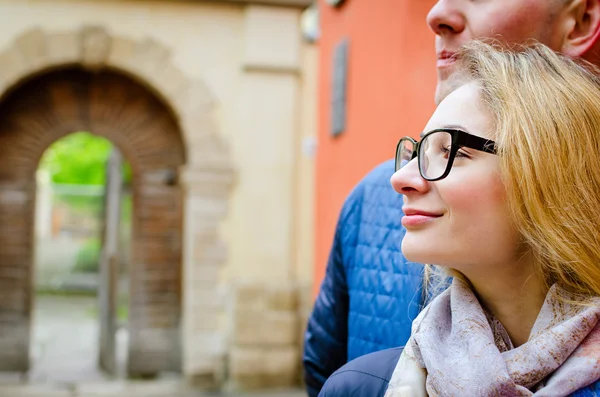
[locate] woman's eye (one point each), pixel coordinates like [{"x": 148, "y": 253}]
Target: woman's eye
[
  {"x": 445, "y": 150},
  {"x": 460, "y": 153}
]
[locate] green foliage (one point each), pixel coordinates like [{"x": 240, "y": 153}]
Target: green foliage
[
  {"x": 80, "y": 159},
  {"x": 77, "y": 159},
  {"x": 88, "y": 257}
]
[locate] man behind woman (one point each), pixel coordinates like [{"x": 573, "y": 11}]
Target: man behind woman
[{"x": 502, "y": 192}]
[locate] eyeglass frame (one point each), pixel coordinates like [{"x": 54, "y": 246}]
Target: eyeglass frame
[{"x": 460, "y": 139}]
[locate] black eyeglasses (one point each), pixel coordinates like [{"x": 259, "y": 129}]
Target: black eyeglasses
[{"x": 437, "y": 149}]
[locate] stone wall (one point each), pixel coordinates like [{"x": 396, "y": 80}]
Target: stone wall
[{"x": 268, "y": 327}]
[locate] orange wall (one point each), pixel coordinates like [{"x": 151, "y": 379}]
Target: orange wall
[{"x": 391, "y": 83}]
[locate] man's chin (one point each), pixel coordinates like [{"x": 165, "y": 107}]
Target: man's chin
[
  {"x": 439, "y": 96},
  {"x": 444, "y": 88}
]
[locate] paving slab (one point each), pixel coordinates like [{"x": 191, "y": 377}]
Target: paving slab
[
  {"x": 129, "y": 389},
  {"x": 8, "y": 390}
]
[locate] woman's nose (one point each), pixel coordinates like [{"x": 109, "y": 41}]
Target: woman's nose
[
  {"x": 408, "y": 180},
  {"x": 446, "y": 18}
]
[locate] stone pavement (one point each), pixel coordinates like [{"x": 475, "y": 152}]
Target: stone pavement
[
  {"x": 65, "y": 340},
  {"x": 128, "y": 389},
  {"x": 64, "y": 357}
]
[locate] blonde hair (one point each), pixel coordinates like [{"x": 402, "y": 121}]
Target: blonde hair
[{"x": 547, "y": 116}]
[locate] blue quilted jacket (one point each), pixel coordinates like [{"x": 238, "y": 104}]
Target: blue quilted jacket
[{"x": 370, "y": 293}]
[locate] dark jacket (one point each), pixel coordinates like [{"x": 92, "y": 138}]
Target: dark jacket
[
  {"x": 370, "y": 375},
  {"x": 366, "y": 376},
  {"x": 370, "y": 293}
]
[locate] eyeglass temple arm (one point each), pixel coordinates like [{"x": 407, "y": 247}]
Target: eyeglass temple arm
[{"x": 479, "y": 143}]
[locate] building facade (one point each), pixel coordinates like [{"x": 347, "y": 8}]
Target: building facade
[{"x": 209, "y": 102}]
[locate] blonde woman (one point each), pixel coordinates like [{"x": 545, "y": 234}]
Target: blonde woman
[{"x": 502, "y": 192}]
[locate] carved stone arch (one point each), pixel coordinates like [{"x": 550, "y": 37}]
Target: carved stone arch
[
  {"x": 147, "y": 61},
  {"x": 46, "y": 108},
  {"x": 99, "y": 65}
]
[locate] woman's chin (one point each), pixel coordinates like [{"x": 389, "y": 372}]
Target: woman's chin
[{"x": 415, "y": 251}]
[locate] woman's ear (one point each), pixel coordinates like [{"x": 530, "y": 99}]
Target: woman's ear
[{"x": 582, "y": 28}]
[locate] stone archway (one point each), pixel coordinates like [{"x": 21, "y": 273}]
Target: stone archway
[
  {"x": 55, "y": 104},
  {"x": 160, "y": 119}
]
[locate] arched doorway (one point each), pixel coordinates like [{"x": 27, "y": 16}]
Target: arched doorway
[{"x": 42, "y": 110}]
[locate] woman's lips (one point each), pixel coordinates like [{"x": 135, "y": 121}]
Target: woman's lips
[{"x": 417, "y": 218}]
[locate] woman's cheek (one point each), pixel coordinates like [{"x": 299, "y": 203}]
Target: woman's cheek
[{"x": 476, "y": 197}]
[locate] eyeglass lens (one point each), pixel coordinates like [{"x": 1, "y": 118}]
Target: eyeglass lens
[
  {"x": 405, "y": 153},
  {"x": 434, "y": 154}
]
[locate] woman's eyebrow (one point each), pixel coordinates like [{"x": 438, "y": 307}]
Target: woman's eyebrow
[
  {"x": 448, "y": 126},
  {"x": 456, "y": 127}
]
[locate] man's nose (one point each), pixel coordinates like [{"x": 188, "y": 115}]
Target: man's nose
[{"x": 446, "y": 18}]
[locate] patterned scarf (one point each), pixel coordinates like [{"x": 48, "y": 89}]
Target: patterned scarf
[{"x": 457, "y": 349}]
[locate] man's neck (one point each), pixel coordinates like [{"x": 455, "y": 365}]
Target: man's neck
[{"x": 513, "y": 294}]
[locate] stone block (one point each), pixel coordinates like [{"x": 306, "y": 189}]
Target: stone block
[
  {"x": 282, "y": 298},
  {"x": 200, "y": 127},
  {"x": 282, "y": 361},
  {"x": 305, "y": 296},
  {"x": 282, "y": 368},
  {"x": 95, "y": 46},
  {"x": 212, "y": 157},
  {"x": 200, "y": 275},
  {"x": 249, "y": 327},
  {"x": 63, "y": 48},
  {"x": 171, "y": 84},
  {"x": 13, "y": 67},
  {"x": 215, "y": 252},
  {"x": 303, "y": 316},
  {"x": 208, "y": 207},
  {"x": 256, "y": 368},
  {"x": 204, "y": 296},
  {"x": 287, "y": 380},
  {"x": 255, "y": 326},
  {"x": 248, "y": 382},
  {"x": 217, "y": 186},
  {"x": 197, "y": 98},
  {"x": 245, "y": 361},
  {"x": 248, "y": 297},
  {"x": 204, "y": 369},
  {"x": 210, "y": 344},
  {"x": 151, "y": 58},
  {"x": 121, "y": 54},
  {"x": 205, "y": 322},
  {"x": 32, "y": 45},
  {"x": 205, "y": 318},
  {"x": 280, "y": 328},
  {"x": 206, "y": 381}
]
